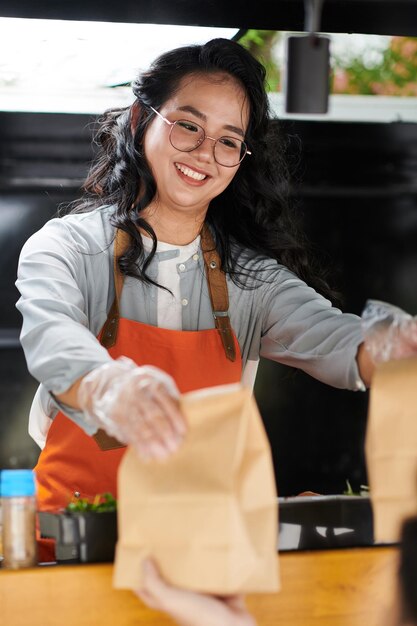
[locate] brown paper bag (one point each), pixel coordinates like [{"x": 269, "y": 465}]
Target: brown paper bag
[
  {"x": 391, "y": 447},
  {"x": 208, "y": 515}
]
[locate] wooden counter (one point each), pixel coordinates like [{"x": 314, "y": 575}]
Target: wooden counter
[{"x": 352, "y": 587}]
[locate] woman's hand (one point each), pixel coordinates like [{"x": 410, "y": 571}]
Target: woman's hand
[
  {"x": 389, "y": 332},
  {"x": 188, "y": 608},
  {"x": 137, "y": 405}
]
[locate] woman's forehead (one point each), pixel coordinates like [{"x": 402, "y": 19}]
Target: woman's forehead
[
  {"x": 217, "y": 81},
  {"x": 211, "y": 94}
]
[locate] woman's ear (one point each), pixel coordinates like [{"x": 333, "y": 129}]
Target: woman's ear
[{"x": 135, "y": 112}]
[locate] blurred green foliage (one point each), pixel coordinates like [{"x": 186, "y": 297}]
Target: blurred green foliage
[
  {"x": 261, "y": 44},
  {"x": 394, "y": 75}
]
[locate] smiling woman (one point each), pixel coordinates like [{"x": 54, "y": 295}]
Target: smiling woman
[
  {"x": 177, "y": 270},
  {"x": 184, "y": 158}
]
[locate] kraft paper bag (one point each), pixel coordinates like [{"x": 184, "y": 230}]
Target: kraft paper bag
[
  {"x": 391, "y": 447},
  {"x": 208, "y": 516}
]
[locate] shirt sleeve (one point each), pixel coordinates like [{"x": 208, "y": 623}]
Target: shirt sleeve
[
  {"x": 302, "y": 329},
  {"x": 57, "y": 269}
]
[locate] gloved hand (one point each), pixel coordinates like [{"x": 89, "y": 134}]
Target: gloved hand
[
  {"x": 137, "y": 405},
  {"x": 389, "y": 332}
]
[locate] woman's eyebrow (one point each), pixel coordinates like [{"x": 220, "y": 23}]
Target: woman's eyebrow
[{"x": 190, "y": 109}]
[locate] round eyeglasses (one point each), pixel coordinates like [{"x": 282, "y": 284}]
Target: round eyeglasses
[{"x": 186, "y": 136}]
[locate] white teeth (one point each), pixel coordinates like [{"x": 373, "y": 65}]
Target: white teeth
[{"x": 190, "y": 173}]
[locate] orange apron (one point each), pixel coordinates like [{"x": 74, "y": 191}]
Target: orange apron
[{"x": 72, "y": 461}]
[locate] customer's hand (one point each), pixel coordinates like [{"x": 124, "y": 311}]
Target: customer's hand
[
  {"x": 188, "y": 608},
  {"x": 137, "y": 405}
]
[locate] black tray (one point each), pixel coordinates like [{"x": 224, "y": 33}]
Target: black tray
[
  {"x": 320, "y": 522},
  {"x": 305, "y": 523},
  {"x": 87, "y": 537}
]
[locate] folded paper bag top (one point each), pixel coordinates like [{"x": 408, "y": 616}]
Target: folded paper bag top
[
  {"x": 208, "y": 515},
  {"x": 391, "y": 447}
]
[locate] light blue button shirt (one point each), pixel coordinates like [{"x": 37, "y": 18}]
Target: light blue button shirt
[{"x": 65, "y": 278}]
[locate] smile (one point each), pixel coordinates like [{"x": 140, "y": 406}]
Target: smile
[{"x": 190, "y": 173}]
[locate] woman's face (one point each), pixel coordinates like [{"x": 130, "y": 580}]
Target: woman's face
[{"x": 188, "y": 181}]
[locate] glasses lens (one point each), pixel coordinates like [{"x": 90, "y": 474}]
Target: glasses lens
[
  {"x": 186, "y": 136},
  {"x": 229, "y": 151}
]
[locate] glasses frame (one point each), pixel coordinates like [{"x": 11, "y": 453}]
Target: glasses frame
[{"x": 172, "y": 124}]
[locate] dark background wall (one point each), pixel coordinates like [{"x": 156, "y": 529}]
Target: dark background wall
[
  {"x": 43, "y": 159},
  {"x": 358, "y": 196},
  {"x": 356, "y": 187}
]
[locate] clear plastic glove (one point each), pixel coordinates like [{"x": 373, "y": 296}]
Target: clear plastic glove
[
  {"x": 137, "y": 405},
  {"x": 188, "y": 608},
  {"x": 389, "y": 332}
]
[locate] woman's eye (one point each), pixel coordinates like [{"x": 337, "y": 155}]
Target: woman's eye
[
  {"x": 229, "y": 142},
  {"x": 189, "y": 126}
]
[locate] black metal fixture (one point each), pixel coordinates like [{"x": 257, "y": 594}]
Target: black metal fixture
[{"x": 308, "y": 65}]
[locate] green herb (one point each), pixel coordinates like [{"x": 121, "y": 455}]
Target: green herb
[
  {"x": 349, "y": 491},
  {"x": 103, "y": 502}
]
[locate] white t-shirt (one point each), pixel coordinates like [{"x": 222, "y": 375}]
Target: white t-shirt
[{"x": 169, "y": 305}]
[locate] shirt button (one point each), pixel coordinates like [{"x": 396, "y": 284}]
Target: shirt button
[
  {"x": 181, "y": 267},
  {"x": 195, "y": 257},
  {"x": 184, "y": 302}
]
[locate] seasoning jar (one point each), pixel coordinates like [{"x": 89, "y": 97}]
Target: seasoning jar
[
  {"x": 1, "y": 533},
  {"x": 18, "y": 497}
]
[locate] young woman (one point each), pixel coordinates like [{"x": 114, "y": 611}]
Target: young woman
[{"x": 179, "y": 268}]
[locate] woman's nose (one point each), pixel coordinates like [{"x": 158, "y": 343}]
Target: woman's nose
[{"x": 205, "y": 150}]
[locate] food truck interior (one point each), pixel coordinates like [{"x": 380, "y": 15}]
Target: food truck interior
[{"x": 354, "y": 180}]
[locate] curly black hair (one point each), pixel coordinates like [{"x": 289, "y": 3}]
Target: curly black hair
[{"x": 254, "y": 211}]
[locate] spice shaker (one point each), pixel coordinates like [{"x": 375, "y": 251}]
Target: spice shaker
[{"x": 18, "y": 495}]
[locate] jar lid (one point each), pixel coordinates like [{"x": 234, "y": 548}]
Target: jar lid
[{"x": 17, "y": 483}]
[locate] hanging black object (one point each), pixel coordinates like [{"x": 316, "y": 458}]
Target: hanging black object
[{"x": 308, "y": 66}]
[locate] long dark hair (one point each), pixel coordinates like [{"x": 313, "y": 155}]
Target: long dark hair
[{"x": 253, "y": 211}]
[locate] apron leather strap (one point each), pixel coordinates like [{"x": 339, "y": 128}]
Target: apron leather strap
[
  {"x": 216, "y": 280},
  {"x": 108, "y": 334},
  {"x": 219, "y": 295}
]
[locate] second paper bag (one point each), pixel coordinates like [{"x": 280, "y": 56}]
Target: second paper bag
[
  {"x": 391, "y": 447},
  {"x": 208, "y": 516}
]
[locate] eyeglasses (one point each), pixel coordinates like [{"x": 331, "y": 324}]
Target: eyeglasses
[{"x": 186, "y": 136}]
